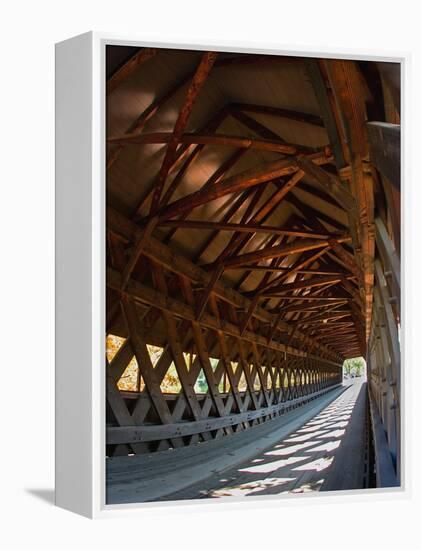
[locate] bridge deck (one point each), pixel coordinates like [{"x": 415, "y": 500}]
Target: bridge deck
[{"x": 319, "y": 446}]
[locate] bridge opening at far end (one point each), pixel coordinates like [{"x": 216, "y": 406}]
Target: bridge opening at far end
[
  {"x": 356, "y": 367},
  {"x": 253, "y": 275}
]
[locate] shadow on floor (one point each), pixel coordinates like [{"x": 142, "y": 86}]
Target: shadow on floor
[{"x": 46, "y": 495}]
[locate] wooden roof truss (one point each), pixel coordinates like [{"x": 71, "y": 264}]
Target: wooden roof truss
[{"x": 312, "y": 306}]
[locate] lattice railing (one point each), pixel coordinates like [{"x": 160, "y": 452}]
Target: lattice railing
[{"x": 232, "y": 364}]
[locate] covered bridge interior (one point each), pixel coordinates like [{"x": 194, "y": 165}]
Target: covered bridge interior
[{"x": 253, "y": 244}]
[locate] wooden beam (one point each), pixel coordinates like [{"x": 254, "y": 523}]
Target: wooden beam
[
  {"x": 318, "y": 193},
  {"x": 329, "y": 182},
  {"x": 313, "y": 305},
  {"x": 136, "y": 434},
  {"x": 120, "y": 410},
  {"x": 334, "y": 329},
  {"x": 323, "y": 318},
  {"x": 240, "y": 228},
  {"x": 249, "y": 314},
  {"x": 249, "y": 178},
  {"x": 305, "y": 283},
  {"x": 321, "y": 92},
  {"x": 176, "y": 350},
  {"x": 347, "y": 259},
  {"x": 306, "y": 118},
  {"x": 316, "y": 216},
  {"x": 387, "y": 251},
  {"x": 210, "y": 127},
  {"x": 120, "y": 361},
  {"x": 312, "y": 298},
  {"x": 211, "y": 139},
  {"x": 217, "y": 273},
  {"x": 303, "y": 261},
  {"x": 144, "y": 361},
  {"x": 279, "y": 251},
  {"x": 149, "y": 113},
  {"x": 225, "y": 357},
  {"x": 159, "y": 101},
  {"x": 203, "y": 355},
  {"x": 233, "y": 204},
  {"x": 149, "y": 296},
  {"x": 137, "y": 251},
  {"x": 276, "y": 269},
  {"x": 346, "y": 83},
  {"x": 199, "y": 79},
  {"x": 214, "y": 178},
  {"x": 238, "y": 242},
  {"x": 257, "y": 127},
  {"x": 129, "y": 66}
]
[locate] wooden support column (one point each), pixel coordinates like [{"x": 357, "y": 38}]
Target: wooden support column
[{"x": 346, "y": 83}]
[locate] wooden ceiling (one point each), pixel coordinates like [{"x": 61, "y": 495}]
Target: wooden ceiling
[{"x": 254, "y": 168}]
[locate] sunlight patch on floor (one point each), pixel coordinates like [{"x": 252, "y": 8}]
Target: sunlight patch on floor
[
  {"x": 272, "y": 466},
  {"x": 328, "y": 447},
  {"x": 317, "y": 465},
  {"x": 306, "y": 437},
  {"x": 336, "y": 433},
  {"x": 250, "y": 488},
  {"x": 341, "y": 424},
  {"x": 291, "y": 449}
]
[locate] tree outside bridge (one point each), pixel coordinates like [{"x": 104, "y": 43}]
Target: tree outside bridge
[{"x": 355, "y": 366}]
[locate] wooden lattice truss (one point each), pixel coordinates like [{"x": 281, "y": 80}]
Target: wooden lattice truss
[{"x": 302, "y": 297}]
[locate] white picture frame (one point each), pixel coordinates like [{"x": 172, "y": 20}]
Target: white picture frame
[{"x": 80, "y": 268}]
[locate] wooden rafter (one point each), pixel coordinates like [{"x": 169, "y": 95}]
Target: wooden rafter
[
  {"x": 198, "y": 80},
  {"x": 281, "y": 250},
  {"x": 212, "y": 139},
  {"x": 312, "y": 282},
  {"x": 129, "y": 67},
  {"x": 306, "y": 118},
  {"x": 241, "y": 228},
  {"x": 239, "y": 182}
]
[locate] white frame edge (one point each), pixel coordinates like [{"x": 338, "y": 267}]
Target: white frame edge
[
  {"x": 80, "y": 275},
  {"x": 74, "y": 384}
]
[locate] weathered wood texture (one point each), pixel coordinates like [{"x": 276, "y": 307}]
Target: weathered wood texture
[
  {"x": 385, "y": 150},
  {"x": 244, "y": 240}
]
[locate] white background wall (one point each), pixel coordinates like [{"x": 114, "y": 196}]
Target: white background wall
[{"x": 28, "y": 32}]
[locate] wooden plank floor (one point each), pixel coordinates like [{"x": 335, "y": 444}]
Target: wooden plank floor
[
  {"x": 295, "y": 453},
  {"x": 325, "y": 453}
]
